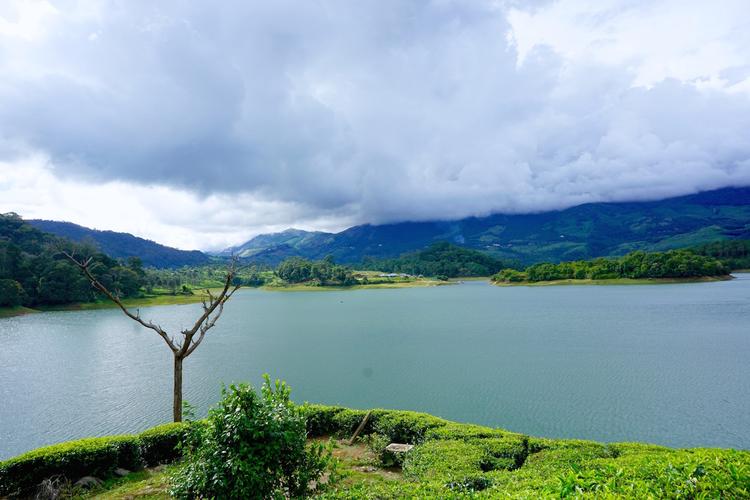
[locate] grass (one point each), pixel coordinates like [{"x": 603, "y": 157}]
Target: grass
[
  {"x": 616, "y": 281},
  {"x": 8, "y": 312},
  {"x": 145, "y": 485}
]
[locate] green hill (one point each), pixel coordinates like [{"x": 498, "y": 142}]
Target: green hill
[
  {"x": 124, "y": 245},
  {"x": 577, "y": 233}
]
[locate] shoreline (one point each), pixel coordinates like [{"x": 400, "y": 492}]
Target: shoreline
[
  {"x": 149, "y": 301},
  {"x": 617, "y": 281},
  {"x": 367, "y": 286},
  {"x": 168, "y": 300}
]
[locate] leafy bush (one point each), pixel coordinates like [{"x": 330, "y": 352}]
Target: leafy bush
[
  {"x": 74, "y": 459},
  {"x": 91, "y": 456},
  {"x": 469, "y": 484},
  {"x": 346, "y": 422},
  {"x": 405, "y": 426},
  {"x": 443, "y": 459},
  {"x": 160, "y": 444},
  {"x": 321, "y": 419},
  {"x": 252, "y": 446}
]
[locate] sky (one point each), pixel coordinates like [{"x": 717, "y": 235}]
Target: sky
[{"x": 200, "y": 124}]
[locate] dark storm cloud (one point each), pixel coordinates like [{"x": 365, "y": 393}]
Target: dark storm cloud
[{"x": 384, "y": 110}]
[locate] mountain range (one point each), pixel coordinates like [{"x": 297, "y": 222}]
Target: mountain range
[
  {"x": 580, "y": 232},
  {"x": 124, "y": 245}
]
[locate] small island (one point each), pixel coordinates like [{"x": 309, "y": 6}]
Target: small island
[{"x": 635, "y": 268}]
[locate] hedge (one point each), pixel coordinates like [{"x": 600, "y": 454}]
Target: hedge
[
  {"x": 90, "y": 457},
  {"x": 450, "y": 460}
]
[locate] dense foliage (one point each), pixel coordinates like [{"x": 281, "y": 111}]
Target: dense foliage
[
  {"x": 324, "y": 272},
  {"x": 453, "y": 460},
  {"x": 439, "y": 259},
  {"x": 635, "y": 265},
  {"x": 252, "y": 446},
  {"x": 201, "y": 277},
  {"x": 91, "y": 456},
  {"x": 34, "y": 272},
  {"x": 735, "y": 254},
  {"x": 124, "y": 245}
]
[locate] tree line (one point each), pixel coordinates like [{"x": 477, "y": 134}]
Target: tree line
[
  {"x": 734, "y": 253},
  {"x": 635, "y": 265},
  {"x": 185, "y": 278},
  {"x": 33, "y": 272},
  {"x": 440, "y": 259},
  {"x": 323, "y": 272}
]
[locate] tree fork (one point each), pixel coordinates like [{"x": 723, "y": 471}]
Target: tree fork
[{"x": 213, "y": 306}]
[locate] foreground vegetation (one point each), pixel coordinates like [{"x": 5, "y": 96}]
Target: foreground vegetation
[
  {"x": 674, "y": 264},
  {"x": 449, "y": 460}
]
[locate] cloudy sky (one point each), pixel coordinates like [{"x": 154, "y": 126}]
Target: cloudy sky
[{"x": 200, "y": 124}]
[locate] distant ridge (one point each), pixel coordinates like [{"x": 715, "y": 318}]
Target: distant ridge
[
  {"x": 123, "y": 245},
  {"x": 580, "y": 232},
  {"x": 290, "y": 239}
]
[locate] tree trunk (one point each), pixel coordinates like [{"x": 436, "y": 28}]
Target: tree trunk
[{"x": 177, "y": 395}]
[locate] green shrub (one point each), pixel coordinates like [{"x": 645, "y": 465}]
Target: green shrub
[
  {"x": 252, "y": 446},
  {"x": 74, "y": 459},
  {"x": 91, "y": 457},
  {"x": 469, "y": 484},
  {"x": 507, "y": 453},
  {"x": 346, "y": 422},
  {"x": 454, "y": 430},
  {"x": 405, "y": 426},
  {"x": 443, "y": 460},
  {"x": 160, "y": 444},
  {"x": 321, "y": 419}
]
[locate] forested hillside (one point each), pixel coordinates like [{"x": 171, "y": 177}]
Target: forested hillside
[
  {"x": 124, "y": 245},
  {"x": 734, "y": 253},
  {"x": 577, "y": 233},
  {"x": 440, "y": 259},
  {"x": 33, "y": 272}
]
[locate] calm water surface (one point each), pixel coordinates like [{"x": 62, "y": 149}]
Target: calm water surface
[{"x": 667, "y": 364}]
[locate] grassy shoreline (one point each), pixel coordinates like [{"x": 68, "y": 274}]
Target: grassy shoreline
[
  {"x": 368, "y": 286},
  {"x": 147, "y": 301},
  {"x": 618, "y": 281}
]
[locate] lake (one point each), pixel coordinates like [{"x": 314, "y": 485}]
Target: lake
[{"x": 667, "y": 364}]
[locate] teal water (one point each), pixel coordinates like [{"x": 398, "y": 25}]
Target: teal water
[{"x": 666, "y": 364}]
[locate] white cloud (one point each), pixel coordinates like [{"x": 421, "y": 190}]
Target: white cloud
[
  {"x": 246, "y": 115},
  {"x": 167, "y": 215},
  {"x": 691, "y": 41}
]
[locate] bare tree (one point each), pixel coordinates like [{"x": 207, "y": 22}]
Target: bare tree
[{"x": 190, "y": 339}]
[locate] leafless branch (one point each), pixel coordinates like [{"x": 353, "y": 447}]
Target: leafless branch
[{"x": 84, "y": 266}]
